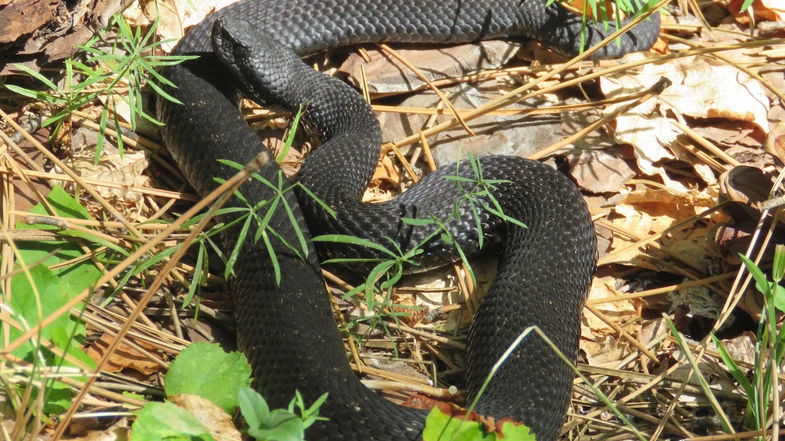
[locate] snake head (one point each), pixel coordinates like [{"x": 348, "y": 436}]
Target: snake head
[{"x": 254, "y": 59}]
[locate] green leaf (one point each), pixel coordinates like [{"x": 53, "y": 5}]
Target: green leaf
[
  {"x": 38, "y": 297},
  {"x": 292, "y": 132},
  {"x": 71, "y": 278},
  {"x": 278, "y": 425},
  {"x": 282, "y": 426},
  {"x": 34, "y": 94},
  {"x": 167, "y": 422},
  {"x": 228, "y": 373},
  {"x": 95, "y": 238},
  {"x": 778, "y": 268},
  {"x": 238, "y": 247},
  {"x": 323, "y": 205},
  {"x": 201, "y": 268},
  {"x": 761, "y": 283},
  {"x": 779, "y": 297},
  {"x": 37, "y": 75},
  {"x": 57, "y": 397},
  {"x": 516, "y": 432},
  {"x": 42, "y": 291},
  {"x": 353, "y": 240},
  {"x": 295, "y": 226},
  {"x": 268, "y": 245},
  {"x": 707, "y": 390},
  {"x": 441, "y": 427},
  {"x": 63, "y": 204},
  {"x": 311, "y": 414},
  {"x": 253, "y": 407},
  {"x": 417, "y": 222}
]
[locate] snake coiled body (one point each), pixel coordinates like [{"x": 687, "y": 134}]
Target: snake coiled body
[{"x": 287, "y": 330}]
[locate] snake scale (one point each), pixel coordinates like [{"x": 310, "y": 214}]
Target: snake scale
[{"x": 287, "y": 330}]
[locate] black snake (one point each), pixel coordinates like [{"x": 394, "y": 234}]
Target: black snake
[{"x": 287, "y": 330}]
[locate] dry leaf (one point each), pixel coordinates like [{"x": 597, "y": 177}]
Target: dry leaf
[
  {"x": 741, "y": 347},
  {"x": 700, "y": 89},
  {"x": 384, "y": 73},
  {"x": 600, "y": 171},
  {"x": 652, "y": 330},
  {"x": 218, "y": 422},
  {"x": 174, "y": 16},
  {"x": 385, "y": 180},
  {"x": 775, "y": 141},
  {"x": 645, "y": 211},
  {"x": 128, "y": 171},
  {"x": 604, "y": 351},
  {"x": 117, "y": 432},
  {"x": 602, "y": 288},
  {"x": 599, "y": 341},
  {"x": 772, "y": 10},
  {"x": 123, "y": 357}
]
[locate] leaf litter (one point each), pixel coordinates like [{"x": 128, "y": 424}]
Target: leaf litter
[{"x": 653, "y": 190}]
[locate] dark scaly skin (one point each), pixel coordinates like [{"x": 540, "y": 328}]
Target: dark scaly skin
[{"x": 287, "y": 331}]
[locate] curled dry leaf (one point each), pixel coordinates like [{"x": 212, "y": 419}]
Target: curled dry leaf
[
  {"x": 218, "y": 422},
  {"x": 744, "y": 184},
  {"x": 599, "y": 341},
  {"x": 646, "y": 211},
  {"x": 700, "y": 89},
  {"x": 775, "y": 141},
  {"x": 384, "y": 182},
  {"x": 126, "y": 171}
]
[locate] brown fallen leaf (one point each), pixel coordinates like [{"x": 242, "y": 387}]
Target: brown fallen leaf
[
  {"x": 116, "y": 432},
  {"x": 775, "y": 141},
  {"x": 772, "y": 10},
  {"x": 741, "y": 347},
  {"x": 599, "y": 341},
  {"x": 387, "y": 174},
  {"x": 174, "y": 16},
  {"x": 126, "y": 170},
  {"x": 646, "y": 211},
  {"x": 700, "y": 89},
  {"x": 124, "y": 357},
  {"x": 600, "y": 171},
  {"x": 217, "y": 422}
]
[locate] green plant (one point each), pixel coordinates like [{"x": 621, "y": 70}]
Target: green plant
[
  {"x": 280, "y": 424},
  {"x": 45, "y": 276},
  {"x": 440, "y": 426},
  {"x": 226, "y": 387},
  {"x": 264, "y": 231},
  {"x": 244, "y": 217},
  {"x": 476, "y": 194},
  {"x": 762, "y": 396},
  {"x": 130, "y": 61}
]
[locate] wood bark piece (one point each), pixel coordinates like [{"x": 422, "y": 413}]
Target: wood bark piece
[
  {"x": 36, "y": 32},
  {"x": 21, "y": 17}
]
